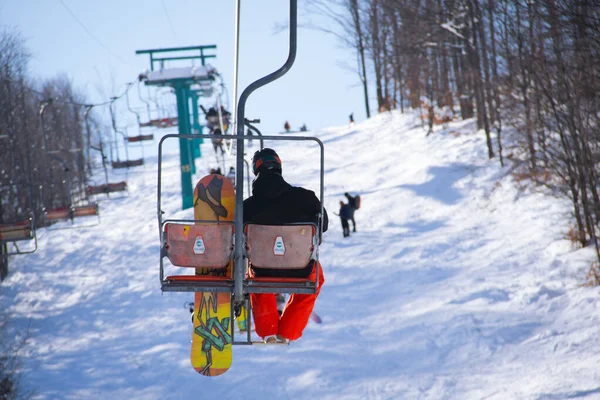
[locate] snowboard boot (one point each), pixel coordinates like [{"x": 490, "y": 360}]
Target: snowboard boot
[
  {"x": 281, "y": 339},
  {"x": 271, "y": 339}
]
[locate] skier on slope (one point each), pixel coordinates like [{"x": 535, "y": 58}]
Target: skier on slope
[
  {"x": 273, "y": 202},
  {"x": 344, "y": 217},
  {"x": 353, "y": 205}
]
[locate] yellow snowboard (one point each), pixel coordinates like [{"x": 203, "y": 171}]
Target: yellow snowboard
[{"x": 211, "y": 355}]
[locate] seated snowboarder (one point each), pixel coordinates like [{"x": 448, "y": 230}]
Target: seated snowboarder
[
  {"x": 344, "y": 217},
  {"x": 231, "y": 175},
  {"x": 217, "y": 142},
  {"x": 353, "y": 205},
  {"x": 273, "y": 202},
  {"x": 212, "y": 117},
  {"x": 287, "y": 126}
]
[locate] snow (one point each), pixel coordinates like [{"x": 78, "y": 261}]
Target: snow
[
  {"x": 196, "y": 73},
  {"x": 457, "y": 285}
]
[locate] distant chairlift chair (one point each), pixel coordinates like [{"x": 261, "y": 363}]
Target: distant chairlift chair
[
  {"x": 12, "y": 233},
  {"x": 73, "y": 210},
  {"x": 118, "y": 164},
  {"x": 108, "y": 187}
]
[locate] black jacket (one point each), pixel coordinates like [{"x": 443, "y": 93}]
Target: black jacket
[
  {"x": 274, "y": 202},
  {"x": 351, "y": 205},
  {"x": 346, "y": 211}
]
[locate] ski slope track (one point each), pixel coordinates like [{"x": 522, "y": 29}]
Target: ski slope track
[{"x": 457, "y": 285}]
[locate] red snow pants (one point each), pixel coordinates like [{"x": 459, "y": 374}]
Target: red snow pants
[{"x": 295, "y": 315}]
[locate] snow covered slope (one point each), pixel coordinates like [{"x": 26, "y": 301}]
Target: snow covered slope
[{"x": 456, "y": 286}]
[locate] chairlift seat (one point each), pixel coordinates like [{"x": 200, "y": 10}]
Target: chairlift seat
[
  {"x": 148, "y": 124},
  {"x": 280, "y": 246},
  {"x": 140, "y": 138},
  {"x": 198, "y": 245},
  {"x": 168, "y": 122},
  {"x": 20, "y": 230},
  {"x": 57, "y": 213},
  {"x": 71, "y": 212},
  {"x": 85, "y": 211},
  {"x": 107, "y": 188},
  {"x": 127, "y": 163}
]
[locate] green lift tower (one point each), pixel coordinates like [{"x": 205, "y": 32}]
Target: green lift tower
[{"x": 189, "y": 83}]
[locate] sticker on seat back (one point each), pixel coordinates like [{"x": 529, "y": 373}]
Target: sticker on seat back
[
  {"x": 279, "y": 247},
  {"x": 199, "y": 245}
]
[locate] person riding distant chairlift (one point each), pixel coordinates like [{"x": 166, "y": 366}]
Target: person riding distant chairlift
[
  {"x": 212, "y": 112},
  {"x": 212, "y": 118},
  {"x": 217, "y": 142},
  {"x": 344, "y": 217},
  {"x": 231, "y": 175},
  {"x": 274, "y": 202},
  {"x": 225, "y": 113},
  {"x": 353, "y": 205}
]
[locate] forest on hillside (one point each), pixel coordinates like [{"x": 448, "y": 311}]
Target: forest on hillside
[{"x": 528, "y": 71}]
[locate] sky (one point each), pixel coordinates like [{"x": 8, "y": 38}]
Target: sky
[
  {"x": 94, "y": 44},
  {"x": 458, "y": 284}
]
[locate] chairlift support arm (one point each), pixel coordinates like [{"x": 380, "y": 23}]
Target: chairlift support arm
[
  {"x": 238, "y": 251},
  {"x": 161, "y": 60}
]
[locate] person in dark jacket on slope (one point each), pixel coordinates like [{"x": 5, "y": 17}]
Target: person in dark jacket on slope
[
  {"x": 344, "y": 217},
  {"x": 353, "y": 204},
  {"x": 274, "y": 202}
]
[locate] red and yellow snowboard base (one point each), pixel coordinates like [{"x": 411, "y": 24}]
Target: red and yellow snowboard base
[
  {"x": 211, "y": 339},
  {"x": 211, "y": 354}
]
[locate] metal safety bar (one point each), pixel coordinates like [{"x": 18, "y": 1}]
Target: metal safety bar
[{"x": 284, "y": 285}]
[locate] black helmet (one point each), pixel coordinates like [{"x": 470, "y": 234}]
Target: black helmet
[{"x": 266, "y": 158}]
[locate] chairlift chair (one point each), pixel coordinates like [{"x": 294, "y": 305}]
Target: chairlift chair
[
  {"x": 16, "y": 226},
  {"x": 139, "y": 137},
  {"x": 178, "y": 239},
  {"x": 71, "y": 211},
  {"x": 127, "y": 163},
  {"x": 21, "y": 228},
  {"x": 268, "y": 246},
  {"x": 106, "y": 187},
  {"x": 16, "y": 231}
]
